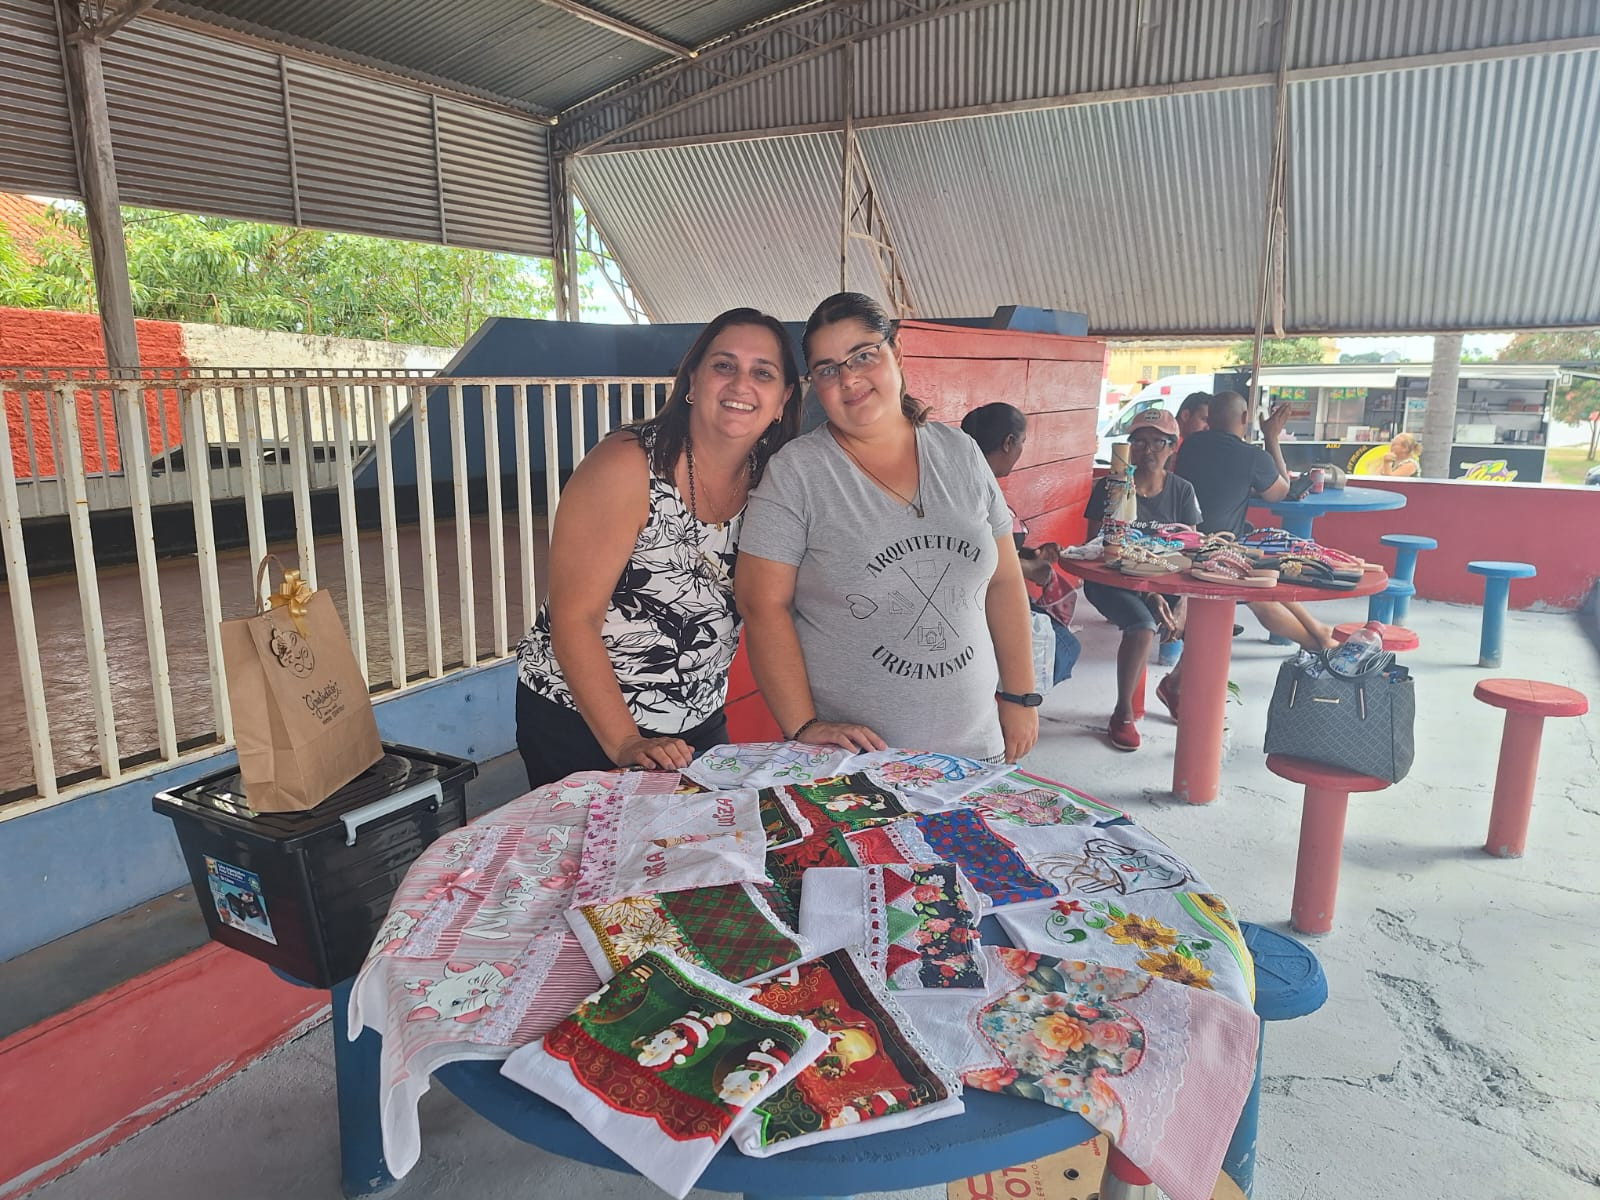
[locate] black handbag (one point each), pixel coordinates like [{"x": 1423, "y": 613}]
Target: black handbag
[{"x": 1363, "y": 723}]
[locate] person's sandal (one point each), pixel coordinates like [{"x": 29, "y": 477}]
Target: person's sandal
[
  {"x": 1313, "y": 572},
  {"x": 1233, "y": 568}
]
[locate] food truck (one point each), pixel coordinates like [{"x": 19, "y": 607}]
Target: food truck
[{"x": 1346, "y": 414}]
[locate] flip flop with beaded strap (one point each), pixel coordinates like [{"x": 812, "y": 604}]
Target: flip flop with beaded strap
[
  {"x": 1231, "y": 567},
  {"x": 1314, "y": 572}
]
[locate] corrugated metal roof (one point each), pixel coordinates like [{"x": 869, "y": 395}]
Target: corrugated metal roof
[
  {"x": 198, "y": 124},
  {"x": 706, "y": 228},
  {"x": 530, "y": 53},
  {"x": 1447, "y": 198},
  {"x": 1122, "y": 211},
  {"x": 36, "y": 151}
]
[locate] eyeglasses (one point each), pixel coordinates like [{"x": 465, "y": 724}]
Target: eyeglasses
[
  {"x": 862, "y": 360},
  {"x": 1160, "y": 443}
]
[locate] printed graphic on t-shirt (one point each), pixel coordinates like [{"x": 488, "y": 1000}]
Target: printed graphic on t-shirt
[{"x": 916, "y": 607}]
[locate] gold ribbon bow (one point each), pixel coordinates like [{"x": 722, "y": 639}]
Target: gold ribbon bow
[{"x": 294, "y": 594}]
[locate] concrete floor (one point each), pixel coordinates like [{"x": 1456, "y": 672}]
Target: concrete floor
[{"x": 1456, "y": 1057}]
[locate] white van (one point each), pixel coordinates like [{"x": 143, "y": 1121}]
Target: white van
[{"x": 1165, "y": 393}]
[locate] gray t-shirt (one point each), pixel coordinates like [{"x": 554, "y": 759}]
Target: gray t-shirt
[{"x": 889, "y": 607}]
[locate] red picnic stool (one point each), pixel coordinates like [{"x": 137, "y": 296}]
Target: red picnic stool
[
  {"x": 1527, "y": 703},
  {"x": 1395, "y": 637},
  {"x": 1316, "y": 870}
]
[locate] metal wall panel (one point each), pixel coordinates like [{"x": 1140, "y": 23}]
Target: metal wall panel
[
  {"x": 365, "y": 153},
  {"x": 36, "y": 153},
  {"x": 1145, "y": 215},
  {"x": 705, "y": 228},
  {"x": 496, "y": 180},
  {"x": 1451, "y": 198},
  {"x": 198, "y": 124},
  {"x": 1344, "y": 31}
]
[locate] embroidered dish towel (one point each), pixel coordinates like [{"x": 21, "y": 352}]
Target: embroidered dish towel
[
  {"x": 875, "y": 1075},
  {"x": 653, "y": 840},
  {"x": 1129, "y": 902},
  {"x": 1023, "y": 799},
  {"x": 786, "y": 868},
  {"x": 766, "y": 764},
  {"x": 989, "y": 860},
  {"x": 846, "y": 803},
  {"x": 928, "y": 781},
  {"x": 781, "y": 820},
  {"x": 915, "y": 924},
  {"x": 731, "y": 930},
  {"x": 1163, "y": 1069},
  {"x": 660, "y": 1063}
]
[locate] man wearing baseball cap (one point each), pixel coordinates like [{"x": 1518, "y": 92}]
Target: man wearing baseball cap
[{"x": 1165, "y": 499}]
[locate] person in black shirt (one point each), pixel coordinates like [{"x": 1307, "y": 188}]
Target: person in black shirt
[
  {"x": 1228, "y": 473},
  {"x": 1164, "y": 498}
]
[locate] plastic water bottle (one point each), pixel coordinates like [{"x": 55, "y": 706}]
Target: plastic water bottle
[{"x": 1357, "y": 650}]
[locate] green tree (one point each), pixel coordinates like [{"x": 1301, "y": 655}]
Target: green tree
[
  {"x": 1366, "y": 356},
  {"x": 1579, "y": 402},
  {"x": 184, "y": 267},
  {"x": 1279, "y": 351}
]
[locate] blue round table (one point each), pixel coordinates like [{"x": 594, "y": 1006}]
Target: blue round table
[{"x": 1296, "y": 516}]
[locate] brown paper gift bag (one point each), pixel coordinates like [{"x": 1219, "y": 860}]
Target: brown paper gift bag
[{"x": 302, "y": 716}]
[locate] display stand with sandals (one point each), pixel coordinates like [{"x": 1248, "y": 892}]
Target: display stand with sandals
[{"x": 1208, "y": 637}]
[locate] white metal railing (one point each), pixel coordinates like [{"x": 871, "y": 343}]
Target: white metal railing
[{"x": 77, "y": 443}]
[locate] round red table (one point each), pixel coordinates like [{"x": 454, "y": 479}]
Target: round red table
[{"x": 1207, "y": 648}]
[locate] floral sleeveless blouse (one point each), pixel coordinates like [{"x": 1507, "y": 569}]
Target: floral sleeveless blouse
[{"x": 670, "y": 629}]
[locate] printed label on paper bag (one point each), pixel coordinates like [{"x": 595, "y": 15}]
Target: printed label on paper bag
[{"x": 240, "y": 902}]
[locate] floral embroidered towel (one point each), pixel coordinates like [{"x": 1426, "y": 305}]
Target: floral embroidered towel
[
  {"x": 651, "y": 839},
  {"x": 915, "y": 924},
  {"x": 731, "y": 930},
  {"x": 928, "y": 781},
  {"x": 766, "y": 764},
  {"x": 1163, "y": 1069},
  {"x": 660, "y": 1063},
  {"x": 1022, "y": 799},
  {"x": 875, "y": 1075},
  {"x": 1130, "y": 902}
]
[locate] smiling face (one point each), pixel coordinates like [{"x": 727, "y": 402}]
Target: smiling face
[
  {"x": 738, "y": 387},
  {"x": 863, "y": 392}
]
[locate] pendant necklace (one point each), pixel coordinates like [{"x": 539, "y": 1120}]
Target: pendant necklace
[
  {"x": 708, "y": 567},
  {"x": 913, "y": 502}
]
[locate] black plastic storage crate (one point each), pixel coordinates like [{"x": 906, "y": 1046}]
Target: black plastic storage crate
[{"x": 307, "y": 891}]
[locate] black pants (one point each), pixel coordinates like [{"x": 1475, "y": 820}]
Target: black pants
[{"x": 555, "y": 741}]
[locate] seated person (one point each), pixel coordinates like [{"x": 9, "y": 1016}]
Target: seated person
[
  {"x": 1228, "y": 473},
  {"x": 1000, "y": 431},
  {"x": 1165, "y": 499}
]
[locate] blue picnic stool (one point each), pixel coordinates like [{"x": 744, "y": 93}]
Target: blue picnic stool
[
  {"x": 1289, "y": 984},
  {"x": 1406, "y": 548},
  {"x": 1496, "y": 591},
  {"x": 1386, "y": 605}
]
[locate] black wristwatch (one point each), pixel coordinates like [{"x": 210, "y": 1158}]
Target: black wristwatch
[{"x": 1026, "y": 699}]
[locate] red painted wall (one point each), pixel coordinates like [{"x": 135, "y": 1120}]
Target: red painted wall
[
  {"x": 1557, "y": 529},
  {"x": 35, "y": 338},
  {"x": 1055, "y": 380}
]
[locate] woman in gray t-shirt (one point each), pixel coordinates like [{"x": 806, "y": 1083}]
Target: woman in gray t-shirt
[{"x": 877, "y": 577}]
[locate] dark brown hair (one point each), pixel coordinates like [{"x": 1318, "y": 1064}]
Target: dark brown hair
[
  {"x": 853, "y": 306},
  {"x": 991, "y": 424},
  {"x": 672, "y": 422}
]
